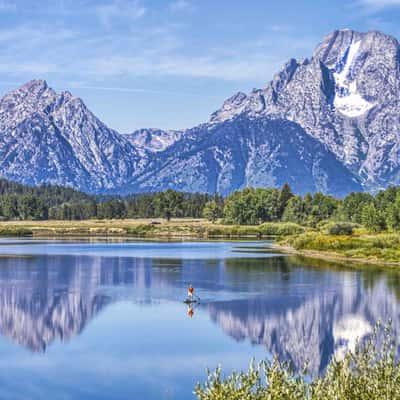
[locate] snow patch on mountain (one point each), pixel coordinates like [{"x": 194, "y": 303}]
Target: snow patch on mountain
[{"x": 347, "y": 100}]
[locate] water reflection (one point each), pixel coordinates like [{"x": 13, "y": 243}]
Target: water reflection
[
  {"x": 296, "y": 308},
  {"x": 315, "y": 314},
  {"x": 47, "y": 298}
]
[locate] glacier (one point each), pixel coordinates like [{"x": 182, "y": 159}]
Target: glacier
[{"x": 347, "y": 100}]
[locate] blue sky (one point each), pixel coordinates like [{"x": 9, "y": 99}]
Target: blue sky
[{"x": 168, "y": 63}]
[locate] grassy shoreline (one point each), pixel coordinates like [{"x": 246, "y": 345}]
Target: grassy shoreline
[
  {"x": 331, "y": 256},
  {"x": 145, "y": 228},
  {"x": 360, "y": 247}
]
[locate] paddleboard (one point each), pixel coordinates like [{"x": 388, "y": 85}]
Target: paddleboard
[{"x": 188, "y": 301}]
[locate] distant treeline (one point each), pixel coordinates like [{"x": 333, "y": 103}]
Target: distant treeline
[
  {"x": 246, "y": 207},
  {"x": 43, "y": 202}
]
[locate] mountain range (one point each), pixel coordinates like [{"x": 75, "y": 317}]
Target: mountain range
[{"x": 329, "y": 123}]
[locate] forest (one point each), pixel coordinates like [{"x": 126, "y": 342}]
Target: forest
[
  {"x": 23, "y": 202},
  {"x": 246, "y": 207}
]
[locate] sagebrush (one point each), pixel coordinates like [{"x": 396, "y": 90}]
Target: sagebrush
[{"x": 371, "y": 371}]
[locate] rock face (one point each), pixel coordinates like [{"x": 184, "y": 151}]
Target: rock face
[
  {"x": 329, "y": 123},
  {"x": 54, "y": 138},
  {"x": 346, "y": 96},
  {"x": 153, "y": 140},
  {"x": 241, "y": 152}
]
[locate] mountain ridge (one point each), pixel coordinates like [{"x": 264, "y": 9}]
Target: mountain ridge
[{"x": 326, "y": 123}]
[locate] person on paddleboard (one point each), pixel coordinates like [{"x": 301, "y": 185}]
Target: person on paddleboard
[{"x": 190, "y": 292}]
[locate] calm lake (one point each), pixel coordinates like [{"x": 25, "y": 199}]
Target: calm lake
[{"x": 106, "y": 320}]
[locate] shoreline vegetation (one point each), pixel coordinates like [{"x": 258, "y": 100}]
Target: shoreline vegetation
[
  {"x": 333, "y": 256},
  {"x": 359, "y": 247},
  {"x": 147, "y": 228},
  {"x": 288, "y": 238},
  {"x": 360, "y": 227},
  {"x": 369, "y": 371}
]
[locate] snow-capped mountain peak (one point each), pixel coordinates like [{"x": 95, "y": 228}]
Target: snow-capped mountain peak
[
  {"x": 341, "y": 96},
  {"x": 333, "y": 118}
]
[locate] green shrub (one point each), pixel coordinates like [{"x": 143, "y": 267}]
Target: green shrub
[
  {"x": 280, "y": 229},
  {"x": 15, "y": 231},
  {"x": 215, "y": 231},
  {"x": 140, "y": 230},
  {"x": 340, "y": 228},
  {"x": 368, "y": 372},
  {"x": 381, "y": 247},
  {"x": 248, "y": 231}
]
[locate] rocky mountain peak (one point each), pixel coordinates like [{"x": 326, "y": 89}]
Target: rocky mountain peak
[
  {"x": 54, "y": 138},
  {"x": 232, "y": 106},
  {"x": 346, "y": 96},
  {"x": 284, "y": 76},
  {"x": 32, "y": 97},
  {"x": 336, "y": 43},
  {"x": 36, "y": 84},
  {"x": 352, "y": 67},
  {"x": 335, "y": 117},
  {"x": 153, "y": 140}
]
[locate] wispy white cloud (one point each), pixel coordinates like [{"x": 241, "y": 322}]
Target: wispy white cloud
[
  {"x": 375, "y": 5},
  {"x": 118, "y": 10},
  {"x": 181, "y": 5},
  {"x": 232, "y": 68},
  {"x": 79, "y": 85},
  {"x": 143, "y": 53},
  {"x": 150, "y": 49},
  {"x": 39, "y": 69}
]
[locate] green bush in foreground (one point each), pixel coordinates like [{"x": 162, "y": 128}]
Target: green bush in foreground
[
  {"x": 340, "y": 228},
  {"x": 368, "y": 372}
]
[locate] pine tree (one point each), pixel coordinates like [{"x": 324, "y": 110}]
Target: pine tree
[
  {"x": 371, "y": 219},
  {"x": 284, "y": 196}
]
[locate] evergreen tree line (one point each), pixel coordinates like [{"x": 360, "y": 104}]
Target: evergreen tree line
[
  {"x": 246, "y": 207},
  {"x": 23, "y": 202}
]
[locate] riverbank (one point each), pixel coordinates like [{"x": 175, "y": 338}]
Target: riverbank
[
  {"x": 378, "y": 249},
  {"x": 146, "y": 228}
]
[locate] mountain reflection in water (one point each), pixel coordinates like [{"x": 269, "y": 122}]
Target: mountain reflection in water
[{"x": 298, "y": 309}]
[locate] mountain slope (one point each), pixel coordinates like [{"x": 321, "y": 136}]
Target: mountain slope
[
  {"x": 346, "y": 96},
  {"x": 153, "y": 140},
  {"x": 329, "y": 123},
  {"x": 244, "y": 151},
  {"x": 47, "y": 137}
]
